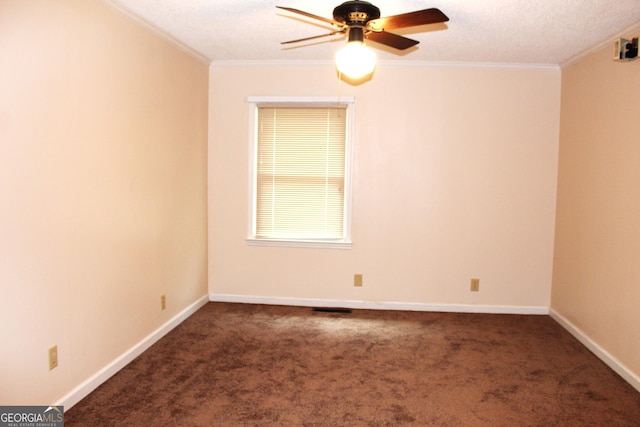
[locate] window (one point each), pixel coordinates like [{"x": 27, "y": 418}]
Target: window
[{"x": 300, "y": 172}]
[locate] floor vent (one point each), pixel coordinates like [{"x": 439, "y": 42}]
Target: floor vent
[{"x": 332, "y": 310}]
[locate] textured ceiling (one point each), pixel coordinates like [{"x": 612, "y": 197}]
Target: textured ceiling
[{"x": 496, "y": 31}]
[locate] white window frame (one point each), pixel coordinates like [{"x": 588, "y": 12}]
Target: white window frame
[{"x": 260, "y": 101}]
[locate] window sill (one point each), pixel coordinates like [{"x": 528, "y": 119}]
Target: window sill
[{"x": 321, "y": 244}]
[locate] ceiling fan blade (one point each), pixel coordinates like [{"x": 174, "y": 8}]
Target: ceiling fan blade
[
  {"x": 411, "y": 19},
  {"x": 311, "y": 15},
  {"x": 393, "y": 40},
  {"x": 316, "y": 37}
]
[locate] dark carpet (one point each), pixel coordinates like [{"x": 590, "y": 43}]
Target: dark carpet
[{"x": 258, "y": 365}]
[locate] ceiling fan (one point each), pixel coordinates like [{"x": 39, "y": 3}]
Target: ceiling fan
[{"x": 361, "y": 19}]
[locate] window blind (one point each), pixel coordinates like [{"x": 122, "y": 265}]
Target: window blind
[{"x": 300, "y": 172}]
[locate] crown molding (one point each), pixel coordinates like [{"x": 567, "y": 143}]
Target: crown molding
[
  {"x": 385, "y": 63},
  {"x": 118, "y": 8},
  {"x": 633, "y": 29}
]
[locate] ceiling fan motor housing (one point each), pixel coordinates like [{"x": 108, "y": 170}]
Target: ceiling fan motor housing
[
  {"x": 356, "y": 12},
  {"x": 362, "y": 19}
]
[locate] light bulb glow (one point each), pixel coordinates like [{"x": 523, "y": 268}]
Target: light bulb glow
[{"x": 355, "y": 60}]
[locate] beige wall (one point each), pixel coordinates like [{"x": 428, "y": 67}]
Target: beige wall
[
  {"x": 597, "y": 248},
  {"x": 455, "y": 177},
  {"x": 103, "y": 131}
]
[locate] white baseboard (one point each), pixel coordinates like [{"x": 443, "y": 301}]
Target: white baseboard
[
  {"x": 379, "y": 305},
  {"x": 619, "y": 367},
  {"x": 81, "y": 391}
]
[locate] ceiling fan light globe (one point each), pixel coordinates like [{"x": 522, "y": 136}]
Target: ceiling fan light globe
[{"x": 355, "y": 60}]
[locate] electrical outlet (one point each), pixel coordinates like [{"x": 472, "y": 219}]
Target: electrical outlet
[
  {"x": 475, "y": 285},
  {"x": 53, "y": 357},
  {"x": 163, "y": 301},
  {"x": 357, "y": 280}
]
